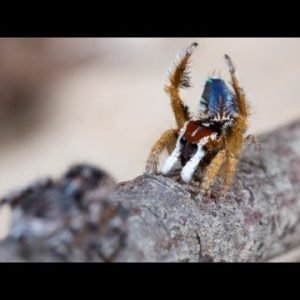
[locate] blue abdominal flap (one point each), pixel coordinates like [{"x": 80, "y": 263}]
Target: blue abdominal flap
[{"x": 216, "y": 98}]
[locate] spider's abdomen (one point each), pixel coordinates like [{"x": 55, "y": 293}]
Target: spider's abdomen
[{"x": 217, "y": 101}]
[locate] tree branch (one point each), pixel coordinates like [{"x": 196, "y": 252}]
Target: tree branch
[{"x": 84, "y": 217}]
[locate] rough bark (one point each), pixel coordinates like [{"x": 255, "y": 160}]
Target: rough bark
[{"x": 80, "y": 217}]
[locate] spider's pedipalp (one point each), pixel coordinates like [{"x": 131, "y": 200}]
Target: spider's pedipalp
[
  {"x": 191, "y": 166},
  {"x": 171, "y": 161},
  {"x": 173, "y": 158}
]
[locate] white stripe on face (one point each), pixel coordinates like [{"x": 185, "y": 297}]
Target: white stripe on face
[
  {"x": 191, "y": 166},
  {"x": 196, "y": 131}
]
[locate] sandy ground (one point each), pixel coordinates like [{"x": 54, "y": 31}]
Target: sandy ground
[{"x": 110, "y": 112}]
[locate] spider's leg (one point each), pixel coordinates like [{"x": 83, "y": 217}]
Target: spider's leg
[
  {"x": 178, "y": 77},
  {"x": 228, "y": 171},
  {"x": 234, "y": 140},
  {"x": 171, "y": 144},
  {"x": 165, "y": 140},
  {"x": 241, "y": 100},
  {"x": 212, "y": 170}
]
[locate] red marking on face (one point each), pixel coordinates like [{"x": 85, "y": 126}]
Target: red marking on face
[{"x": 195, "y": 132}]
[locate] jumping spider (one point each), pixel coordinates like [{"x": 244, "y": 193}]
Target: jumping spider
[{"x": 211, "y": 143}]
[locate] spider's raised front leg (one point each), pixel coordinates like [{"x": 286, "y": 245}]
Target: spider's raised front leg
[
  {"x": 179, "y": 78},
  {"x": 166, "y": 140},
  {"x": 241, "y": 100}
]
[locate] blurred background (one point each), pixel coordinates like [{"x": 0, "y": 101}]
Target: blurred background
[{"x": 101, "y": 100}]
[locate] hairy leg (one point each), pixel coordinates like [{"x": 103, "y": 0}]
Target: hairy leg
[
  {"x": 171, "y": 144},
  {"x": 212, "y": 170},
  {"x": 239, "y": 92},
  {"x": 228, "y": 172},
  {"x": 178, "y": 78},
  {"x": 165, "y": 140}
]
